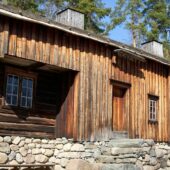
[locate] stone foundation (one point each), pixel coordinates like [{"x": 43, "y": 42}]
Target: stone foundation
[{"x": 123, "y": 154}]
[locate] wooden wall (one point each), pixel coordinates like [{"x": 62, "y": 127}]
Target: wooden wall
[
  {"x": 86, "y": 111},
  {"x": 92, "y": 101},
  {"x": 145, "y": 78}
]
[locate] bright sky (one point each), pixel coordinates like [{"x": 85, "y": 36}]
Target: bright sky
[{"x": 119, "y": 33}]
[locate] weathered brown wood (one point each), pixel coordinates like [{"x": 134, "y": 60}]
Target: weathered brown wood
[{"x": 75, "y": 85}]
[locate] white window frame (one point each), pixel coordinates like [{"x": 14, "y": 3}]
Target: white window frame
[{"x": 153, "y": 108}]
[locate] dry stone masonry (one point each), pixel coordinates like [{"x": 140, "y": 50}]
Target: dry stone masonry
[{"x": 123, "y": 154}]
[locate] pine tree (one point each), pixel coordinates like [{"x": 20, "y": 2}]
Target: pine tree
[
  {"x": 94, "y": 11},
  {"x": 129, "y": 12},
  {"x": 31, "y": 5}
]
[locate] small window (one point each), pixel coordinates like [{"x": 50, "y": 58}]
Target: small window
[
  {"x": 19, "y": 88},
  {"x": 12, "y": 90},
  {"x": 153, "y": 108}
]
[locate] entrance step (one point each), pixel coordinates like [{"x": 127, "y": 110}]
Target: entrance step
[{"x": 120, "y": 135}]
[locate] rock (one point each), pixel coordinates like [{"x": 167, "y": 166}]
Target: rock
[
  {"x": 168, "y": 163},
  {"x": 31, "y": 145},
  {"x": 3, "y": 158},
  {"x": 153, "y": 161},
  {"x": 59, "y": 146},
  {"x": 7, "y": 139},
  {"x": 152, "y": 153},
  {"x": 117, "y": 151},
  {"x": 163, "y": 163},
  {"x": 69, "y": 155},
  {"x": 11, "y": 156},
  {"x": 126, "y": 143},
  {"x": 159, "y": 153},
  {"x": 118, "y": 167},
  {"x": 29, "y": 159},
  {"x": 56, "y": 152},
  {"x": 28, "y": 140},
  {"x": 36, "y": 151},
  {"x": 63, "y": 162},
  {"x": 37, "y": 141},
  {"x": 41, "y": 158},
  {"x": 17, "y": 140},
  {"x": 42, "y": 150},
  {"x": 38, "y": 145},
  {"x": 77, "y": 164},
  {"x": 4, "y": 147},
  {"x": 19, "y": 158},
  {"x": 44, "y": 141},
  {"x": 14, "y": 147},
  {"x": 150, "y": 142},
  {"x": 77, "y": 148},
  {"x": 52, "y": 160},
  {"x": 47, "y": 146},
  {"x": 58, "y": 167},
  {"x": 148, "y": 167},
  {"x": 22, "y": 143},
  {"x": 13, "y": 162},
  {"x": 23, "y": 151},
  {"x": 1, "y": 139},
  {"x": 67, "y": 147},
  {"x": 48, "y": 152}
]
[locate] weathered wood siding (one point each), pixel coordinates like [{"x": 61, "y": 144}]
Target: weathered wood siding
[
  {"x": 145, "y": 78},
  {"x": 91, "y": 118},
  {"x": 86, "y": 111}
]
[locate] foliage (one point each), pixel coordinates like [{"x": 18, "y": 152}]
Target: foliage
[
  {"x": 94, "y": 11},
  {"x": 129, "y": 12},
  {"x": 31, "y": 5}
]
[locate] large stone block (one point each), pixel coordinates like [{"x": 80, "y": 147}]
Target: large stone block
[{"x": 4, "y": 147}]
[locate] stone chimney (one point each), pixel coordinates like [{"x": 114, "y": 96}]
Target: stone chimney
[
  {"x": 71, "y": 17},
  {"x": 153, "y": 47}
]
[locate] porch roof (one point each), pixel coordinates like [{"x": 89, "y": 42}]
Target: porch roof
[{"x": 28, "y": 16}]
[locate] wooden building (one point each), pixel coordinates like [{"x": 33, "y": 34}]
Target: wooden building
[{"x": 61, "y": 81}]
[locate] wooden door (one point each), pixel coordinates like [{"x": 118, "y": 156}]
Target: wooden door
[{"x": 119, "y": 112}]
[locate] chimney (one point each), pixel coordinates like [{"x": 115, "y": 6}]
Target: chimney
[
  {"x": 71, "y": 17},
  {"x": 153, "y": 47}
]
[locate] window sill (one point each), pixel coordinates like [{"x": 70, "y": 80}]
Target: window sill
[{"x": 153, "y": 121}]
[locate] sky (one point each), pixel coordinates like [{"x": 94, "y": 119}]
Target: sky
[{"x": 119, "y": 33}]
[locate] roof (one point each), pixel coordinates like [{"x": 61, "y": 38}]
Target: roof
[{"x": 28, "y": 16}]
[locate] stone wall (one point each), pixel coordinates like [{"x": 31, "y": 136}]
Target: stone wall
[{"x": 123, "y": 154}]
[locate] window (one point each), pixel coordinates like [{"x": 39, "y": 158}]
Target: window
[
  {"x": 153, "y": 108},
  {"x": 19, "y": 89}
]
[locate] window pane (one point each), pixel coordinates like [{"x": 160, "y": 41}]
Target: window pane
[
  {"x": 23, "y": 101},
  {"x": 15, "y": 90},
  {"x": 8, "y": 99},
  {"x": 15, "y": 80},
  {"x": 12, "y": 90},
  {"x": 29, "y": 93},
  {"x": 10, "y": 78},
  {"x": 24, "y": 82},
  {"x": 9, "y": 89},
  {"x": 26, "y": 93},
  {"x": 29, "y": 102},
  {"x": 30, "y": 83},
  {"x": 14, "y": 100}
]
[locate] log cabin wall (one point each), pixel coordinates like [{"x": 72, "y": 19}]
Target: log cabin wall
[
  {"x": 91, "y": 118},
  {"x": 145, "y": 78}
]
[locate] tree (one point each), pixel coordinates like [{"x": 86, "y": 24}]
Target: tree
[
  {"x": 94, "y": 11},
  {"x": 129, "y": 12},
  {"x": 32, "y": 5},
  {"x": 156, "y": 19}
]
